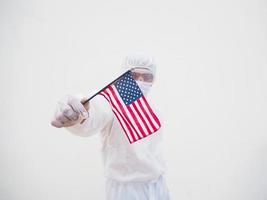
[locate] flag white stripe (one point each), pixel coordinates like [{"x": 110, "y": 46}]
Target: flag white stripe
[
  {"x": 143, "y": 115},
  {"x": 151, "y": 117},
  {"x": 120, "y": 119},
  {"x": 127, "y": 111}
]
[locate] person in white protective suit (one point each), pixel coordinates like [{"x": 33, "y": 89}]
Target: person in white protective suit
[{"x": 133, "y": 171}]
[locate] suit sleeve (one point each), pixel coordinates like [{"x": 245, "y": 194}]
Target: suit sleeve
[{"x": 100, "y": 115}]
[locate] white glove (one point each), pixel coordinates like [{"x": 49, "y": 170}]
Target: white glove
[{"x": 70, "y": 111}]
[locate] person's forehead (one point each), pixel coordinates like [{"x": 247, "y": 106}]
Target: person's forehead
[{"x": 141, "y": 70}]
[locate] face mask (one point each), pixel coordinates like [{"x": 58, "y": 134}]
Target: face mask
[{"x": 145, "y": 87}]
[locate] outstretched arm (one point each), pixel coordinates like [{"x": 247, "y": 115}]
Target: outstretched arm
[{"x": 80, "y": 119}]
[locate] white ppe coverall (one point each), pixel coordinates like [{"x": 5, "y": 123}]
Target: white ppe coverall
[{"x": 133, "y": 171}]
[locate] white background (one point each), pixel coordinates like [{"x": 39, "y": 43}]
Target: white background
[{"x": 211, "y": 88}]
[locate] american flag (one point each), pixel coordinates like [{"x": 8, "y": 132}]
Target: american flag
[{"x": 131, "y": 108}]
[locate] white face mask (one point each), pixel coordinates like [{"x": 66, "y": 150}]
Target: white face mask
[{"x": 145, "y": 87}]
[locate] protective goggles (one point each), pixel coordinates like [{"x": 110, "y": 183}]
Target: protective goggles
[{"x": 147, "y": 77}]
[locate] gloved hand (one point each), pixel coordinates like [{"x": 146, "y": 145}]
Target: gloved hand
[{"x": 70, "y": 111}]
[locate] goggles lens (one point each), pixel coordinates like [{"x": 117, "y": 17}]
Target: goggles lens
[{"x": 148, "y": 77}]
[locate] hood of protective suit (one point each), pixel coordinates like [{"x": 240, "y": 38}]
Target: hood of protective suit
[{"x": 140, "y": 61}]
